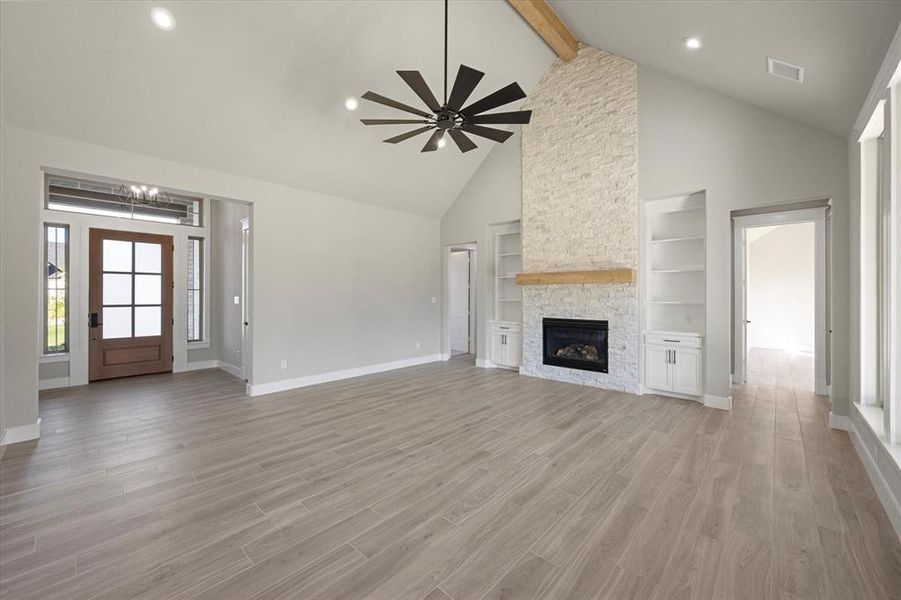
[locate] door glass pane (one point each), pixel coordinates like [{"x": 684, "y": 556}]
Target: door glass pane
[
  {"x": 148, "y": 320},
  {"x": 148, "y": 289},
  {"x": 116, "y": 322},
  {"x": 148, "y": 258},
  {"x": 116, "y": 255},
  {"x": 116, "y": 288}
]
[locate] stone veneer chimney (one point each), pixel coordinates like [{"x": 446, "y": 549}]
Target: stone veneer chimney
[{"x": 580, "y": 207}]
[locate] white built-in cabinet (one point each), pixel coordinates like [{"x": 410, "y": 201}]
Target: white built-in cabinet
[
  {"x": 674, "y": 363},
  {"x": 505, "y": 326},
  {"x": 506, "y": 345},
  {"x": 674, "y": 290}
]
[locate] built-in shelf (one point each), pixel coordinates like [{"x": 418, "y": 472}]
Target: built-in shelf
[
  {"x": 686, "y": 238},
  {"x": 674, "y": 248},
  {"x": 507, "y": 241},
  {"x": 692, "y": 269}
]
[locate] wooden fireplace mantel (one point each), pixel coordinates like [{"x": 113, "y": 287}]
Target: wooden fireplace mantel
[{"x": 562, "y": 277}]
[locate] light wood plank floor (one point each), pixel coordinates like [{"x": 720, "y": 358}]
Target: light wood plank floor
[{"x": 440, "y": 482}]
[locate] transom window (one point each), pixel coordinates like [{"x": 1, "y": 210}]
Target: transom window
[{"x": 139, "y": 202}]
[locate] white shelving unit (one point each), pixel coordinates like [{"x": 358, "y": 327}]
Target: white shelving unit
[
  {"x": 676, "y": 255},
  {"x": 674, "y": 291},
  {"x": 505, "y": 335}
]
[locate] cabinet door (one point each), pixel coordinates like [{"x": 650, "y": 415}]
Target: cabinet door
[
  {"x": 656, "y": 367},
  {"x": 496, "y": 349},
  {"x": 514, "y": 349},
  {"x": 686, "y": 369}
]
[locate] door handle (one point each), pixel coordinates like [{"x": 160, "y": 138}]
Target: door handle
[{"x": 94, "y": 319}]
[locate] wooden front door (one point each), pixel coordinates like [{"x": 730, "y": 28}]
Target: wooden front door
[{"x": 130, "y": 303}]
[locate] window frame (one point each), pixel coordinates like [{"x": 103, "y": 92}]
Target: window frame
[
  {"x": 45, "y": 328},
  {"x": 199, "y": 261}
]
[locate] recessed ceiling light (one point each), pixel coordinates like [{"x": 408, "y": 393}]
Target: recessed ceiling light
[
  {"x": 162, "y": 18},
  {"x": 351, "y": 103},
  {"x": 692, "y": 43},
  {"x": 442, "y": 143}
]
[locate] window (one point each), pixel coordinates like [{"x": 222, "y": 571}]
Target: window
[
  {"x": 195, "y": 289},
  {"x": 56, "y": 280},
  {"x": 123, "y": 201}
]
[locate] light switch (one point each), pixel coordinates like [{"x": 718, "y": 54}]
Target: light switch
[
  {"x": 434, "y": 300},
  {"x": 237, "y": 299}
]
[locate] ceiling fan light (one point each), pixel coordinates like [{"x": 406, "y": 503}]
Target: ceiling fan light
[
  {"x": 351, "y": 103},
  {"x": 442, "y": 143}
]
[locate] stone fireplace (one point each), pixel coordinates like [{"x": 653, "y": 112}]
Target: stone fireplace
[{"x": 580, "y": 210}]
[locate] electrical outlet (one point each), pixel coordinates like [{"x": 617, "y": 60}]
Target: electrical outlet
[
  {"x": 689, "y": 319},
  {"x": 434, "y": 300},
  {"x": 418, "y": 345},
  {"x": 284, "y": 364}
]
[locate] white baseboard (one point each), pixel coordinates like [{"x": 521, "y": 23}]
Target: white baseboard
[
  {"x": 446, "y": 356},
  {"x": 720, "y": 402},
  {"x": 822, "y": 388},
  {"x": 839, "y": 422},
  {"x": 231, "y": 369},
  {"x": 890, "y": 499},
  {"x": 484, "y": 363},
  {"x": 21, "y": 433},
  {"x": 199, "y": 365},
  {"x": 289, "y": 384},
  {"x": 54, "y": 383}
]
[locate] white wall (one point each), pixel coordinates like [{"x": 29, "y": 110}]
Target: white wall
[
  {"x": 337, "y": 284},
  {"x": 780, "y": 287},
  {"x": 493, "y": 195},
  {"x": 691, "y": 138}
]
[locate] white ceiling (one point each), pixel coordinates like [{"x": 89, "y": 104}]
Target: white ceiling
[
  {"x": 258, "y": 88},
  {"x": 840, "y": 43}
]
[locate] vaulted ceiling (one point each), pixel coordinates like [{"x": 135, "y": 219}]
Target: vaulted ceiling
[
  {"x": 258, "y": 88},
  {"x": 840, "y": 43}
]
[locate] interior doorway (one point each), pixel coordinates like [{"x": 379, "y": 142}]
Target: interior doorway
[
  {"x": 780, "y": 297},
  {"x": 461, "y": 334}
]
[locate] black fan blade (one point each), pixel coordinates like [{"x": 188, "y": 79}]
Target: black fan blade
[
  {"x": 463, "y": 143},
  {"x": 432, "y": 144},
  {"x": 513, "y": 118},
  {"x": 373, "y": 97},
  {"x": 417, "y": 83},
  {"x": 390, "y": 121},
  {"x": 505, "y": 95},
  {"x": 498, "y": 135},
  {"x": 466, "y": 81},
  {"x": 408, "y": 135}
]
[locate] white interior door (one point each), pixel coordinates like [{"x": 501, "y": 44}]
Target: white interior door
[{"x": 458, "y": 279}]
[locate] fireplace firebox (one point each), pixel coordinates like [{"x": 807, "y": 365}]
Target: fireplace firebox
[{"x": 575, "y": 343}]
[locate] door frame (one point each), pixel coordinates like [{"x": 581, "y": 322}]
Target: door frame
[
  {"x": 820, "y": 217},
  {"x": 96, "y": 237},
  {"x": 473, "y": 249}
]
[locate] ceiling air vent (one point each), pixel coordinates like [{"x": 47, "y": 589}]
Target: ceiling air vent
[{"x": 785, "y": 70}]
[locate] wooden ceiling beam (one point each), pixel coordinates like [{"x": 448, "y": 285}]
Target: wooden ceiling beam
[{"x": 548, "y": 25}]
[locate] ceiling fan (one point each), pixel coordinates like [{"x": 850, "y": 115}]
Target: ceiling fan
[{"x": 451, "y": 116}]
